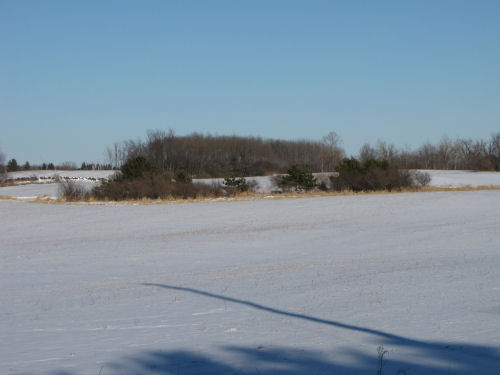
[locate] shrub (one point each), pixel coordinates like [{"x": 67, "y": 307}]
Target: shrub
[
  {"x": 196, "y": 190},
  {"x": 234, "y": 185},
  {"x": 349, "y": 165},
  {"x": 421, "y": 178},
  {"x": 123, "y": 188},
  {"x": 136, "y": 167},
  {"x": 153, "y": 186},
  {"x": 371, "y": 175},
  {"x": 71, "y": 191},
  {"x": 140, "y": 179},
  {"x": 183, "y": 177},
  {"x": 298, "y": 179}
]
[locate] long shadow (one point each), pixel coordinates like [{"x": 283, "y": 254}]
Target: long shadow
[
  {"x": 422, "y": 358},
  {"x": 461, "y": 355},
  {"x": 283, "y": 312}
]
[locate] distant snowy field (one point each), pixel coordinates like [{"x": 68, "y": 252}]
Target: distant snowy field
[
  {"x": 66, "y": 174},
  {"x": 463, "y": 178},
  {"x": 45, "y": 185},
  {"x": 306, "y": 286}
]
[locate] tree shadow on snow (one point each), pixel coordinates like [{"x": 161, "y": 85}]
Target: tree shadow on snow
[
  {"x": 290, "y": 361},
  {"x": 427, "y": 358}
]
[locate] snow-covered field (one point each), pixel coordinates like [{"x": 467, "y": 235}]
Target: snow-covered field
[
  {"x": 45, "y": 185},
  {"x": 307, "y": 286},
  {"x": 463, "y": 178},
  {"x": 51, "y": 175}
]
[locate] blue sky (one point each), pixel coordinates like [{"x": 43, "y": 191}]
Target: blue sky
[{"x": 76, "y": 76}]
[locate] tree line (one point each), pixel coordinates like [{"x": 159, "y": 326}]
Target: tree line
[
  {"x": 460, "y": 154},
  {"x": 219, "y": 156},
  {"x": 13, "y": 166}
]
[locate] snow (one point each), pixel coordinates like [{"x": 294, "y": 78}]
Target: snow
[
  {"x": 51, "y": 175},
  {"x": 441, "y": 178},
  {"x": 45, "y": 183},
  {"x": 33, "y": 191},
  {"x": 263, "y": 184},
  {"x": 306, "y": 286}
]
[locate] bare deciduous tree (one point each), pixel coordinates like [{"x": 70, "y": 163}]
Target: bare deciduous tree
[
  {"x": 333, "y": 151},
  {"x": 116, "y": 155},
  {"x": 494, "y": 151},
  {"x": 3, "y": 171},
  {"x": 218, "y": 156},
  {"x": 367, "y": 152},
  {"x": 386, "y": 151}
]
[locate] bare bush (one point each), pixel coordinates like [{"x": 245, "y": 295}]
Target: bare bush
[
  {"x": 72, "y": 191},
  {"x": 421, "y": 179},
  {"x": 252, "y": 186},
  {"x": 153, "y": 186}
]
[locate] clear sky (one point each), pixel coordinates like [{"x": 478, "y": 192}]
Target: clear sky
[{"x": 76, "y": 76}]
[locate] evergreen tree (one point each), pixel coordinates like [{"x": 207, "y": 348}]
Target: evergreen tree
[
  {"x": 12, "y": 165},
  {"x": 136, "y": 167},
  {"x": 298, "y": 178},
  {"x": 234, "y": 184}
]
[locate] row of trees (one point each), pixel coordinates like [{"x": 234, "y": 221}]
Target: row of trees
[
  {"x": 13, "y": 166},
  {"x": 95, "y": 166},
  {"x": 218, "y": 156},
  {"x": 447, "y": 154}
]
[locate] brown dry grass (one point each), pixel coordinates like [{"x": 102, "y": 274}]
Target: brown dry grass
[
  {"x": 245, "y": 197},
  {"x": 8, "y": 198}
]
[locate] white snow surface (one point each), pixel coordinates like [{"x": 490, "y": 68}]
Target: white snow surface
[
  {"x": 45, "y": 183},
  {"x": 443, "y": 178},
  {"x": 33, "y": 191},
  {"x": 295, "y": 286},
  {"x": 46, "y": 174}
]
